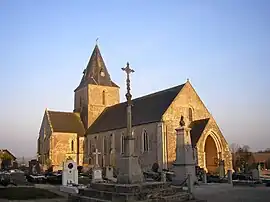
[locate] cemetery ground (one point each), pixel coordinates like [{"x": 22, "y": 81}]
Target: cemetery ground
[
  {"x": 224, "y": 193},
  {"x": 212, "y": 192},
  {"x": 27, "y": 193}
]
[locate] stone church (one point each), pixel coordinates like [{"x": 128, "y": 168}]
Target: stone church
[{"x": 98, "y": 121}]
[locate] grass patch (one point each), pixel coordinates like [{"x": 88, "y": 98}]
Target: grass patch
[{"x": 26, "y": 193}]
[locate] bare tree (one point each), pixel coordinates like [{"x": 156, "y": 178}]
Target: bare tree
[
  {"x": 234, "y": 149},
  {"x": 242, "y": 157},
  {"x": 246, "y": 148}
]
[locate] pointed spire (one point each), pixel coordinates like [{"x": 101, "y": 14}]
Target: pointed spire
[{"x": 96, "y": 72}]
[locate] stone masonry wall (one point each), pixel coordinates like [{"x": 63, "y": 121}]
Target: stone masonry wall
[
  {"x": 44, "y": 139},
  {"x": 213, "y": 130},
  {"x": 146, "y": 159},
  {"x": 186, "y": 99},
  {"x": 61, "y": 148},
  {"x": 80, "y": 96},
  {"x": 81, "y": 150},
  {"x": 100, "y": 97}
]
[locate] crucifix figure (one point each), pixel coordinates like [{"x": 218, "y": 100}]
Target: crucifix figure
[
  {"x": 96, "y": 153},
  {"x": 128, "y": 71}
]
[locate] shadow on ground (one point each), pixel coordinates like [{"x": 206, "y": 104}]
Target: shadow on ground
[{"x": 26, "y": 193}]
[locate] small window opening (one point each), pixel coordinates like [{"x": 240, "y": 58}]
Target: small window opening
[{"x": 72, "y": 145}]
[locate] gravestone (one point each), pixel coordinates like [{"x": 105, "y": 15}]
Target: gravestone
[
  {"x": 112, "y": 158},
  {"x": 96, "y": 171},
  {"x": 70, "y": 173},
  {"x": 255, "y": 174},
  {"x": 5, "y": 178},
  {"x": 109, "y": 172},
  {"x": 230, "y": 177},
  {"x": 204, "y": 177},
  {"x": 221, "y": 169},
  {"x": 259, "y": 169},
  {"x": 34, "y": 167}
]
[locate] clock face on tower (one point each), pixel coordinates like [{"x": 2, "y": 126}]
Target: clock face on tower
[{"x": 102, "y": 73}]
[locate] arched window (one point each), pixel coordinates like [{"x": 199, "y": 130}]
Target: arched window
[
  {"x": 110, "y": 144},
  {"x": 122, "y": 143},
  {"x": 105, "y": 145},
  {"x": 145, "y": 141},
  {"x": 104, "y": 97},
  {"x": 72, "y": 145},
  {"x": 90, "y": 160},
  {"x": 190, "y": 115},
  {"x": 80, "y": 101},
  {"x": 89, "y": 147}
]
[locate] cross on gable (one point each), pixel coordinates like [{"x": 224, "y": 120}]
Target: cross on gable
[{"x": 96, "y": 153}]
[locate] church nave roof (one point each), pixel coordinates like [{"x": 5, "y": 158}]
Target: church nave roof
[
  {"x": 146, "y": 109},
  {"x": 66, "y": 122}
]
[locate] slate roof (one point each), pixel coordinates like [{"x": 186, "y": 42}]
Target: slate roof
[
  {"x": 146, "y": 109},
  {"x": 197, "y": 127},
  {"x": 66, "y": 122},
  {"x": 92, "y": 73}
]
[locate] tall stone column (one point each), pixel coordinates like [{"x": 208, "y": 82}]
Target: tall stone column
[
  {"x": 129, "y": 169},
  {"x": 184, "y": 164}
]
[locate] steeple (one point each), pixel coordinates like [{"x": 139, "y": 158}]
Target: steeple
[{"x": 96, "y": 72}]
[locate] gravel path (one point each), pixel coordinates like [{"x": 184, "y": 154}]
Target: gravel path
[{"x": 216, "y": 193}]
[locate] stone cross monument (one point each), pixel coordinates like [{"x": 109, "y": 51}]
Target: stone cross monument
[
  {"x": 129, "y": 168},
  {"x": 97, "y": 171},
  {"x": 184, "y": 164},
  {"x": 96, "y": 153}
]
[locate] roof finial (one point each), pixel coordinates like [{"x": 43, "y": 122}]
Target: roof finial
[{"x": 97, "y": 40}]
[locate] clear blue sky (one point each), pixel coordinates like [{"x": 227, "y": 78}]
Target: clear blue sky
[{"x": 223, "y": 47}]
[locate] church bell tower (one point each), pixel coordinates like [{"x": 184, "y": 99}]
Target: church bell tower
[{"x": 96, "y": 90}]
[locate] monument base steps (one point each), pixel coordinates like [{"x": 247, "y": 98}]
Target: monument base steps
[
  {"x": 129, "y": 165},
  {"x": 145, "y": 192}
]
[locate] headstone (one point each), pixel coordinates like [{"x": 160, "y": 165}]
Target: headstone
[
  {"x": 259, "y": 169},
  {"x": 255, "y": 175},
  {"x": 96, "y": 171},
  {"x": 109, "y": 172},
  {"x": 97, "y": 175},
  {"x": 70, "y": 173},
  {"x": 163, "y": 176},
  {"x": 204, "y": 177},
  {"x": 112, "y": 158},
  {"x": 34, "y": 167},
  {"x": 221, "y": 169},
  {"x": 5, "y": 178},
  {"x": 230, "y": 177}
]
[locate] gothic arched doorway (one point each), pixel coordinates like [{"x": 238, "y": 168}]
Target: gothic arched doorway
[{"x": 211, "y": 155}]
